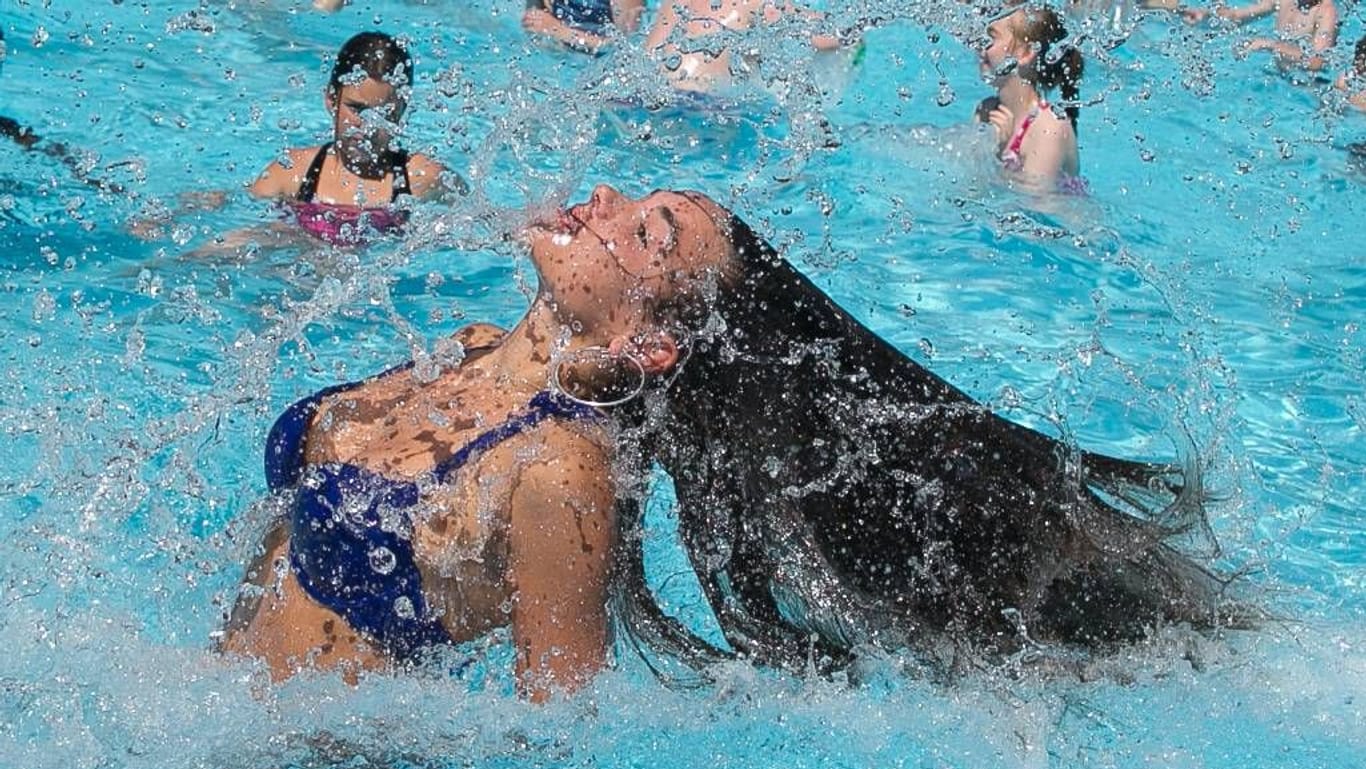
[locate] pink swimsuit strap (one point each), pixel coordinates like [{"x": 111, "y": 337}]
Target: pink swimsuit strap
[{"x": 1011, "y": 154}]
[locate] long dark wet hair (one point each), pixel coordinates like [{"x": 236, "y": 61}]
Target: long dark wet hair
[
  {"x": 834, "y": 494},
  {"x": 377, "y": 55}
]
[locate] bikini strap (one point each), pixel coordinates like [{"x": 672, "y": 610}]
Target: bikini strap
[
  {"x": 284, "y": 457},
  {"x": 543, "y": 405},
  {"x": 308, "y": 188},
  {"x": 1017, "y": 138},
  {"x": 401, "y": 185}
]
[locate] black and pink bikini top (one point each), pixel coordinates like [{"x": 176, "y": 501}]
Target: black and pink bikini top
[{"x": 348, "y": 225}]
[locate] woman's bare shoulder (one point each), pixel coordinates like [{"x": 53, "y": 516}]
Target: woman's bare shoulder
[
  {"x": 479, "y": 335},
  {"x": 282, "y": 177}
]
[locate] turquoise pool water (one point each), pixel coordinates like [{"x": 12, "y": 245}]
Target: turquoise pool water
[{"x": 1208, "y": 293}]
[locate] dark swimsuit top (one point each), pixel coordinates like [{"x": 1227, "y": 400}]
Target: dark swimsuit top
[
  {"x": 351, "y": 528},
  {"x": 587, "y": 15},
  {"x": 347, "y": 225}
]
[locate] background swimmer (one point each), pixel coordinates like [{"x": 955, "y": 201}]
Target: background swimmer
[
  {"x": 1352, "y": 83},
  {"x": 1305, "y": 29},
  {"x": 702, "y": 67},
  {"x": 340, "y": 190},
  {"x": 584, "y": 25},
  {"x": 25, "y": 137},
  {"x": 1188, "y": 14},
  {"x": 1024, "y": 59}
]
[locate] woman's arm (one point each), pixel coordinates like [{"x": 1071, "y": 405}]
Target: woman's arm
[
  {"x": 1325, "y": 37},
  {"x": 561, "y": 537},
  {"x": 1244, "y": 13},
  {"x": 1308, "y": 54},
  {"x": 279, "y": 181},
  {"x": 665, "y": 20}
]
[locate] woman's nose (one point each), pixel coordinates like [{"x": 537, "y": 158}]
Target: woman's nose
[{"x": 605, "y": 200}]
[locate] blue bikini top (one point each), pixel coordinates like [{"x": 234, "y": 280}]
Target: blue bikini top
[
  {"x": 351, "y": 528},
  {"x": 588, "y": 15}
]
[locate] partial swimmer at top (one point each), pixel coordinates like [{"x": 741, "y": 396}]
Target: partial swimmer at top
[
  {"x": 583, "y": 25},
  {"x": 1352, "y": 83},
  {"x": 1025, "y": 57},
  {"x": 698, "y": 66},
  {"x": 1305, "y": 30},
  {"x": 24, "y": 136},
  {"x": 347, "y": 190}
]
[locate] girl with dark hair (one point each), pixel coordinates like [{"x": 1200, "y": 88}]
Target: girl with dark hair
[
  {"x": 832, "y": 493},
  {"x": 1027, "y": 55},
  {"x": 347, "y": 190}
]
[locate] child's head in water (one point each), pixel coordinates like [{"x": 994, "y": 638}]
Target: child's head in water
[
  {"x": 1029, "y": 43},
  {"x": 367, "y": 95},
  {"x": 1359, "y": 59}
]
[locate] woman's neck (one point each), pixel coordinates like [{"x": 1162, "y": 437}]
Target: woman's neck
[
  {"x": 523, "y": 359},
  {"x": 1019, "y": 95},
  {"x": 370, "y": 166}
]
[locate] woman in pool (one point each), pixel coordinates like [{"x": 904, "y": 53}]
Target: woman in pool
[
  {"x": 584, "y": 25},
  {"x": 1306, "y": 30},
  {"x": 698, "y": 67},
  {"x": 350, "y": 188},
  {"x": 426, "y": 511},
  {"x": 833, "y": 493},
  {"x": 1024, "y": 59}
]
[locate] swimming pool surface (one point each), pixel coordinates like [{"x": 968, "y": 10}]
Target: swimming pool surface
[{"x": 1207, "y": 294}]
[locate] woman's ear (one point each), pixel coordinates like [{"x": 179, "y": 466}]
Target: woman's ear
[
  {"x": 657, "y": 351},
  {"x": 330, "y": 100}
]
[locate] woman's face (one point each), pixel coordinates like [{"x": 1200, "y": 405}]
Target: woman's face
[
  {"x": 602, "y": 260},
  {"x": 367, "y": 113},
  {"x": 1004, "y": 50}
]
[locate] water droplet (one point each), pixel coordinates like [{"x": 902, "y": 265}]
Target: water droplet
[
  {"x": 44, "y": 306},
  {"x": 945, "y": 96},
  {"x": 403, "y": 607},
  {"x": 383, "y": 561}
]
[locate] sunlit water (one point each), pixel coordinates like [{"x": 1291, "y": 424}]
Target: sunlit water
[{"x": 1209, "y": 292}]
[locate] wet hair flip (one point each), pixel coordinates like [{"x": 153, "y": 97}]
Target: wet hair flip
[{"x": 835, "y": 494}]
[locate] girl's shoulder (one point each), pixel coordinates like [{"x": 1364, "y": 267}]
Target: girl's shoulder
[
  {"x": 1053, "y": 123},
  {"x": 284, "y": 174}
]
